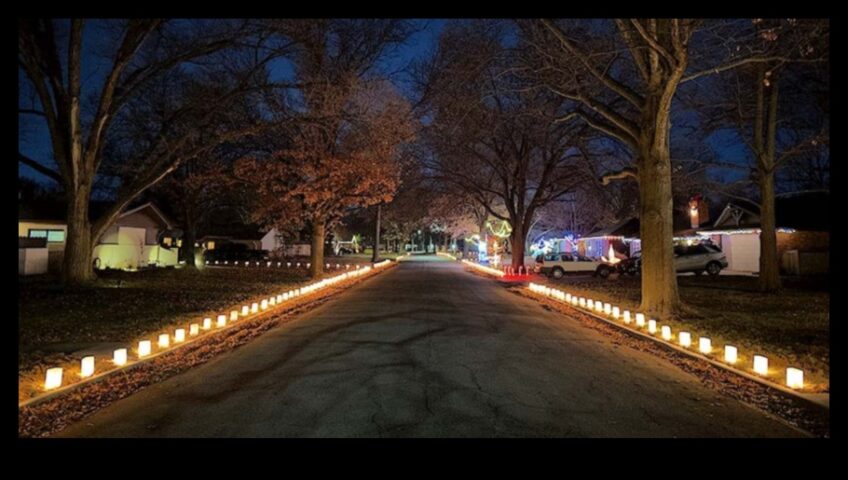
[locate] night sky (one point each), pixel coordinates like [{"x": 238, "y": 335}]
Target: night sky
[{"x": 34, "y": 142}]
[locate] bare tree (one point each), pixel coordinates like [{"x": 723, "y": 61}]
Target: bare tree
[
  {"x": 623, "y": 77},
  {"x": 140, "y": 52},
  {"x": 492, "y": 137}
]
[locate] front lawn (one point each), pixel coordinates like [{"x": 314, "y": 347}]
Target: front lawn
[
  {"x": 121, "y": 306},
  {"x": 792, "y": 327}
]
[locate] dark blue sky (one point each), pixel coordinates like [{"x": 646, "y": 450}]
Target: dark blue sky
[{"x": 33, "y": 137}]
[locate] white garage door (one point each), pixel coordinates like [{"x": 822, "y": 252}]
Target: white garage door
[{"x": 743, "y": 252}]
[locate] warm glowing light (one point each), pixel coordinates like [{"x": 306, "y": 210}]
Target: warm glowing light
[
  {"x": 627, "y": 316},
  {"x": 222, "y": 321},
  {"x": 143, "y": 348},
  {"x": 272, "y": 301},
  {"x": 640, "y": 320},
  {"x": 254, "y": 307},
  {"x": 282, "y": 297},
  {"x": 611, "y": 258},
  {"x": 794, "y": 378},
  {"x": 730, "y": 354},
  {"x": 233, "y": 315},
  {"x": 179, "y": 335},
  {"x": 245, "y": 310},
  {"x": 164, "y": 340},
  {"x": 652, "y": 326},
  {"x": 590, "y": 304},
  {"x": 87, "y": 366},
  {"x": 705, "y": 346},
  {"x": 119, "y": 357},
  {"x": 207, "y": 323},
  {"x": 761, "y": 364},
  {"x": 607, "y": 309},
  {"x": 666, "y": 332},
  {"x": 264, "y": 305},
  {"x": 616, "y": 312},
  {"x": 685, "y": 339},
  {"x": 568, "y": 297},
  {"x": 53, "y": 379}
]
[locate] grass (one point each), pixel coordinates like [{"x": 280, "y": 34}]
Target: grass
[
  {"x": 121, "y": 306},
  {"x": 791, "y": 327}
]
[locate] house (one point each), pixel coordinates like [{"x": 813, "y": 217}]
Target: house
[
  {"x": 803, "y": 234},
  {"x": 623, "y": 237},
  {"x": 139, "y": 237}
]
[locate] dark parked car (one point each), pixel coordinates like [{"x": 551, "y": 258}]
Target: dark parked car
[{"x": 235, "y": 252}]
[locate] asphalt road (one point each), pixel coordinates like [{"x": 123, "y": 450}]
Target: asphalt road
[{"x": 428, "y": 350}]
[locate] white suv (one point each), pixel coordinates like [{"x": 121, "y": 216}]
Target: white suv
[{"x": 558, "y": 264}]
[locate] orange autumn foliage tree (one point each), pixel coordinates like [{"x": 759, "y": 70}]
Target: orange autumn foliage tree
[{"x": 336, "y": 163}]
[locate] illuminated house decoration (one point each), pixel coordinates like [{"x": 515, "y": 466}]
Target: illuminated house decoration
[
  {"x": 803, "y": 239},
  {"x": 622, "y": 237}
]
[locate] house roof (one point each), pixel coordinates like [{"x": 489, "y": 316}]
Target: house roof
[
  {"x": 800, "y": 211},
  {"x": 628, "y": 228},
  {"x": 153, "y": 208}
]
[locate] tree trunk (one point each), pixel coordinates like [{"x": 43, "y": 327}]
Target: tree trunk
[
  {"x": 769, "y": 266},
  {"x": 77, "y": 263},
  {"x": 375, "y": 255},
  {"x": 317, "y": 254},
  {"x": 659, "y": 278},
  {"x": 187, "y": 252},
  {"x": 769, "y": 280},
  {"x": 516, "y": 241}
]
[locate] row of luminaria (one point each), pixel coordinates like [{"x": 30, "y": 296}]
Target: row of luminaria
[
  {"x": 794, "y": 376},
  {"x": 166, "y": 341}
]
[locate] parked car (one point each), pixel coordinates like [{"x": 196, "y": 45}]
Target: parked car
[
  {"x": 235, "y": 252},
  {"x": 556, "y": 265},
  {"x": 698, "y": 259}
]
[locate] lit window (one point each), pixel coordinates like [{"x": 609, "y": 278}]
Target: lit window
[
  {"x": 57, "y": 236},
  {"x": 210, "y": 245},
  {"x": 52, "y": 236},
  {"x": 166, "y": 241},
  {"x": 179, "y": 242}
]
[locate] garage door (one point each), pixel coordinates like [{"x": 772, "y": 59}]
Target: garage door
[{"x": 743, "y": 253}]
